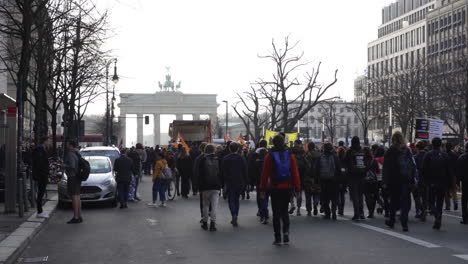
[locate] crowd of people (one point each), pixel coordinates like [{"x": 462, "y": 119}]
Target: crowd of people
[{"x": 382, "y": 180}]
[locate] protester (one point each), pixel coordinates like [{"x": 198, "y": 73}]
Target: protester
[
  {"x": 422, "y": 203},
  {"x": 184, "y": 167},
  {"x": 371, "y": 185},
  {"x": 451, "y": 194},
  {"x": 40, "y": 173},
  {"x": 358, "y": 163},
  {"x": 399, "y": 173},
  {"x": 73, "y": 181},
  {"x": 462, "y": 172},
  {"x": 303, "y": 167},
  {"x": 196, "y": 171},
  {"x": 342, "y": 181},
  {"x": 209, "y": 184},
  {"x": 382, "y": 199},
  {"x": 280, "y": 175},
  {"x": 123, "y": 168},
  {"x": 328, "y": 170},
  {"x": 159, "y": 183},
  {"x": 136, "y": 159},
  {"x": 234, "y": 168},
  {"x": 436, "y": 174},
  {"x": 262, "y": 202},
  {"x": 311, "y": 183}
]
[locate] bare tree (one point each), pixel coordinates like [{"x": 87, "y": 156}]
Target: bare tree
[
  {"x": 329, "y": 118},
  {"x": 251, "y": 112},
  {"x": 291, "y": 95},
  {"x": 361, "y": 108}
]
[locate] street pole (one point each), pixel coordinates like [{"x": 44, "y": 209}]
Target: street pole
[
  {"x": 323, "y": 130},
  {"x": 106, "y": 141},
  {"x": 227, "y": 119},
  {"x": 390, "y": 125},
  {"x": 115, "y": 79}
]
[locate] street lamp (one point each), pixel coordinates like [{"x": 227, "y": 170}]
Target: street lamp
[
  {"x": 115, "y": 79},
  {"x": 227, "y": 118}
]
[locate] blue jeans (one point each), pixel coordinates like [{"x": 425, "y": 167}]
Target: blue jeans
[
  {"x": 159, "y": 187},
  {"x": 233, "y": 200},
  {"x": 123, "y": 189},
  {"x": 264, "y": 206},
  {"x": 137, "y": 182}
]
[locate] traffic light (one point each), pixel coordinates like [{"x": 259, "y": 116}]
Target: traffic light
[{"x": 146, "y": 120}]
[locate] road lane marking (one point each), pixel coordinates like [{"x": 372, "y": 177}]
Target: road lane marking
[
  {"x": 398, "y": 235},
  {"x": 455, "y": 216},
  {"x": 152, "y": 221},
  {"x": 464, "y": 257}
]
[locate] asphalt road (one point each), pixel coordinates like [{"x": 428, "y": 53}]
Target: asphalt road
[{"x": 141, "y": 234}]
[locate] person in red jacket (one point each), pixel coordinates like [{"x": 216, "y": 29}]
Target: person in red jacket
[{"x": 280, "y": 176}]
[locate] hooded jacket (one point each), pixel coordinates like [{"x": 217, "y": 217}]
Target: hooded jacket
[
  {"x": 234, "y": 168},
  {"x": 351, "y": 156},
  {"x": 123, "y": 168}
]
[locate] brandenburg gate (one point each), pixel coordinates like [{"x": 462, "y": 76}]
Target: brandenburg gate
[{"x": 167, "y": 101}]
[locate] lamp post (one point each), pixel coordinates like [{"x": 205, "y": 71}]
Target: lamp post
[
  {"x": 227, "y": 118},
  {"x": 390, "y": 125},
  {"x": 115, "y": 79}
]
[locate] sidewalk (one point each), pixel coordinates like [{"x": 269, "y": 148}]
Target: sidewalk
[{"x": 15, "y": 232}]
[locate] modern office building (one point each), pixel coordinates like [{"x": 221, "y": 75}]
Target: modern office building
[{"x": 400, "y": 47}]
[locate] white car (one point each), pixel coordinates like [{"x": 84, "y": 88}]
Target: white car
[
  {"x": 100, "y": 186},
  {"x": 112, "y": 152}
]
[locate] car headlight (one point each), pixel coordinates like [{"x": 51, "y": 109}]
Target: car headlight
[{"x": 107, "y": 183}]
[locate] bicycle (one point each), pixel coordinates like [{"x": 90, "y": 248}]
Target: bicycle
[{"x": 171, "y": 191}]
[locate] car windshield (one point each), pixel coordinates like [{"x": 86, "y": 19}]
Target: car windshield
[
  {"x": 112, "y": 154},
  {"x": 99, "y": 165}
]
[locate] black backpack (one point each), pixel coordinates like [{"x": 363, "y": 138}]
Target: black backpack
[
  {"x": 83, "y": 169},
  {"x": 407, "y": 165},
  {"x": 327, "y": 167},
  {"x": 211, "y": 170}
]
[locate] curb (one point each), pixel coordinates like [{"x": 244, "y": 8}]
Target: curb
[{"x": 14, "y": 244}]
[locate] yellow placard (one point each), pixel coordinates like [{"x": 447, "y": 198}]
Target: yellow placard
[{"x": 289, "y": 140}]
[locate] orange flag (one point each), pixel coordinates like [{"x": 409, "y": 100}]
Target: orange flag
[
  {"x": 242, "y": 141},
  {"x": 184, "y": 144}
]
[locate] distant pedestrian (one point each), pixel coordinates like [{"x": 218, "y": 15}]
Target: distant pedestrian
[
  {"x": 40, "y": 172},
  {"x": 234, "y": 168},
  {"x": 159, "y": 183},
  {"x": 437, "y": 175},
  {"x": 311, "y": 183},
  {"x": 328, "y": 170},
  {"x": 73, "y": 181},
  {"x": 280, "y": 176},
  {"x": 123, "y": 168},
  {"x": 462, "y": 172},
  {"x": 184, "y": 167},
  {"x": 209, "y": 184},
  {"x": 451, "y": 194},
  {"x": 136, "y": 159},
  {"x": 399, "y": 174},
  {"x": 358, "y": 163},
  {"x": 422, "y": 188}
]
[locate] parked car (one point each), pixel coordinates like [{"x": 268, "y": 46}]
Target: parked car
[
  {"x": 112, "y": 152},
  {"x": 100, "y": 186}
]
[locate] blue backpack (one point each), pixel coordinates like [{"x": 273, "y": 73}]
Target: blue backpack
[{"x": 283, "y": 165}]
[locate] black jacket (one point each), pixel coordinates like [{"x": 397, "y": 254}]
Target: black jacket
[
  {"x": 123, "y": 168},
  {"x": 391, "y": 167},
  {"x": 40, "y": 163},
  {"x": 436, "y": 168},
  {"x": 462, "y": 169},
  {"x": 185, "y": 167},
  {"x": 135, "y": 157},
  {"x": 350, "y": 159},
  {"x": 235, "y": 171}
]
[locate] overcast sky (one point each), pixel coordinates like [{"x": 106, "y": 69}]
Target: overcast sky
[{"x": 212, "y": 45}]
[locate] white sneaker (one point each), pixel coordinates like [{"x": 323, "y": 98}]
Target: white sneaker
[
  {"x": 42, "y": 215},
  {"x": 162, "y": 205},
  {"x": 152, "y": 204}
]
